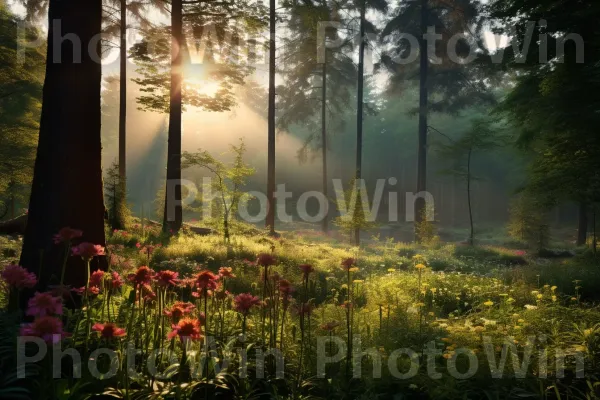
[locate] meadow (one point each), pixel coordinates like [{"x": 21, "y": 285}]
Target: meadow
[{"x": 303, "y": 316}]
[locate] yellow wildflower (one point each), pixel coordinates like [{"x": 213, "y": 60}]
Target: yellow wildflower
[{"x": 488, "y": 303}]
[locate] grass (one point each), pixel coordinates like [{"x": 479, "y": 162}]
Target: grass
[{"x": 464, "y": 300}]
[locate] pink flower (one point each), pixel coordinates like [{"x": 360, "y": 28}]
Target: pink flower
[
  {"x": 186, "y": 329},
  {"x": 142, "y": 276},
  {"x": 66, "y": 234},
  {"x": 226, "y": 272},
  {"x": 87, "y": 250},
  {"x": 115, "y": 280},
  {"x": 166, "y": 278},
  {"x": 50, "y": 329},
  {"x": 244, "y": 302},
  {"x": 179, "y": 309},
  {"x": 18, "y": 277},
  {"x": 206, "y": 280},
  {"x": 306, "y": 269},
  {"x": 265, "y": 260},
  {"x": 348, "y": 263},
  {"x": 109, "y": 330},
  {"x": 92, "y": 290},
  {"x": 44, "y": 304},
  {"x": 97, "y": 278}
]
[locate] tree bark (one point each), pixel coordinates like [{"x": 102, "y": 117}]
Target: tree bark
[
  {"x": 472, "y": 232},
  {"x": 583, "y": 225},
  {"x": 122, "y": 197},
  {"x": 420, "y": 206},
  {"x": 359, "y": 114},
  {"x": 173, "y": 215},
  {"x": 324, "y": 137},
  {"x": 67, "y": 180},
  {"x": 270, "y": 220}
]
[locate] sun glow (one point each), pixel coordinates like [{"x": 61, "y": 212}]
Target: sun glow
[{"x": 204, "y": 87}]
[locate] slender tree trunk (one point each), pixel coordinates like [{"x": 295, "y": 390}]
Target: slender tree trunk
[
  {"x": 270, "y": 221},
  {"x": 420, "y": 206},
  {"x": 67, "y": 179},
  {"x": 583, "y": 225},
  {"x": 173, "y": 215},
  {"x": 594, "y": 238},
  {"x": 472, "y": 232},
  {"x": 324, "y": 137},
  {"x": 13, "y": 206},
  {"x": 359, "y": 113},
  {"x": 122, "y": 194}
]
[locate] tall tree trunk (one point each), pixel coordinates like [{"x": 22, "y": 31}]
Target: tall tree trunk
[
  {"x": 472, "y": 232},
  {"x": 67, "y": 179},
  {"x": 359, "y": 114},
  {"x": 594, "y": 237},
  {"x": 173, "y": 215},
  {"x": 324, "y": 137},
  {"x": 420, "y": 206},
  {"x": 122, "y": 193},
  {"x": 270, "y": 221},
  {"x": 583, "y": 224}
]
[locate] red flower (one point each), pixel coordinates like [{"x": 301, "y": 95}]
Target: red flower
[
  {"x": 226, "y": 272},
  {"x": 244, "y": 302},
  {"x": 97, "y": 278},
  {"x": 348, "y": 263},
  {"x": 166, "y": 278},
  {"x": 265, "y": 260},
  {"x": 330, "y": 326},
  {"x": 50, "y": 329},
  {"x": 186, "y": 329},
  {"x": 87, "y": 250},
  {"x": 18, "y": 277},
  {"x": 115, "y": 280},
  {"x": 147, "y": 293},
  {"x": 92, "y": 290},
  {"x": 109, "y": 330},
  {"x": 44, "y": 304},
  {"x": 142, "y": 276},
  {"x": 206, "y": 280},
  {"x": 285, "y": 287},
  {"x": 179, "y": 309},
  {"x": 304, "y": 309},
  {"x": 306, "y": 269},
  {"x": 65, "y": 235}
]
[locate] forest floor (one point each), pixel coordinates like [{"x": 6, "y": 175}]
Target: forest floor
[{"x": 403, "y": 296}]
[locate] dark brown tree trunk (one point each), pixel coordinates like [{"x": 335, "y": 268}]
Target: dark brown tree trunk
[
  {"x": 67, "y": 180},
  {"x": 359, "y": 114},
  {"x": 122, "y": 197},
  {"x": 324, "y": 137},
  {"x": 270, "y": 220},
  {"x": 420, "y": 206},
  {"x": 583, "y": 225},
  {"x": 472, "y": 231},
  {"x": 173, "y": 215}
]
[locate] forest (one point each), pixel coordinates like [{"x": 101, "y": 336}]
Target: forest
[{"x": 299, "y": 199}]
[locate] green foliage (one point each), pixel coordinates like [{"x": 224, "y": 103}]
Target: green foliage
[
  {"x": 528, "y": 222},
  {"x": 552, "y": 104},
  {"x": 21, "y": 75},
  {"x": 354, "y": 208},
  {"x": 426, "y": 229},
  {"x": 116, "y": 198},
  {"x": 228, "y": 181},
  {"x": 211, "y": 56}
]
